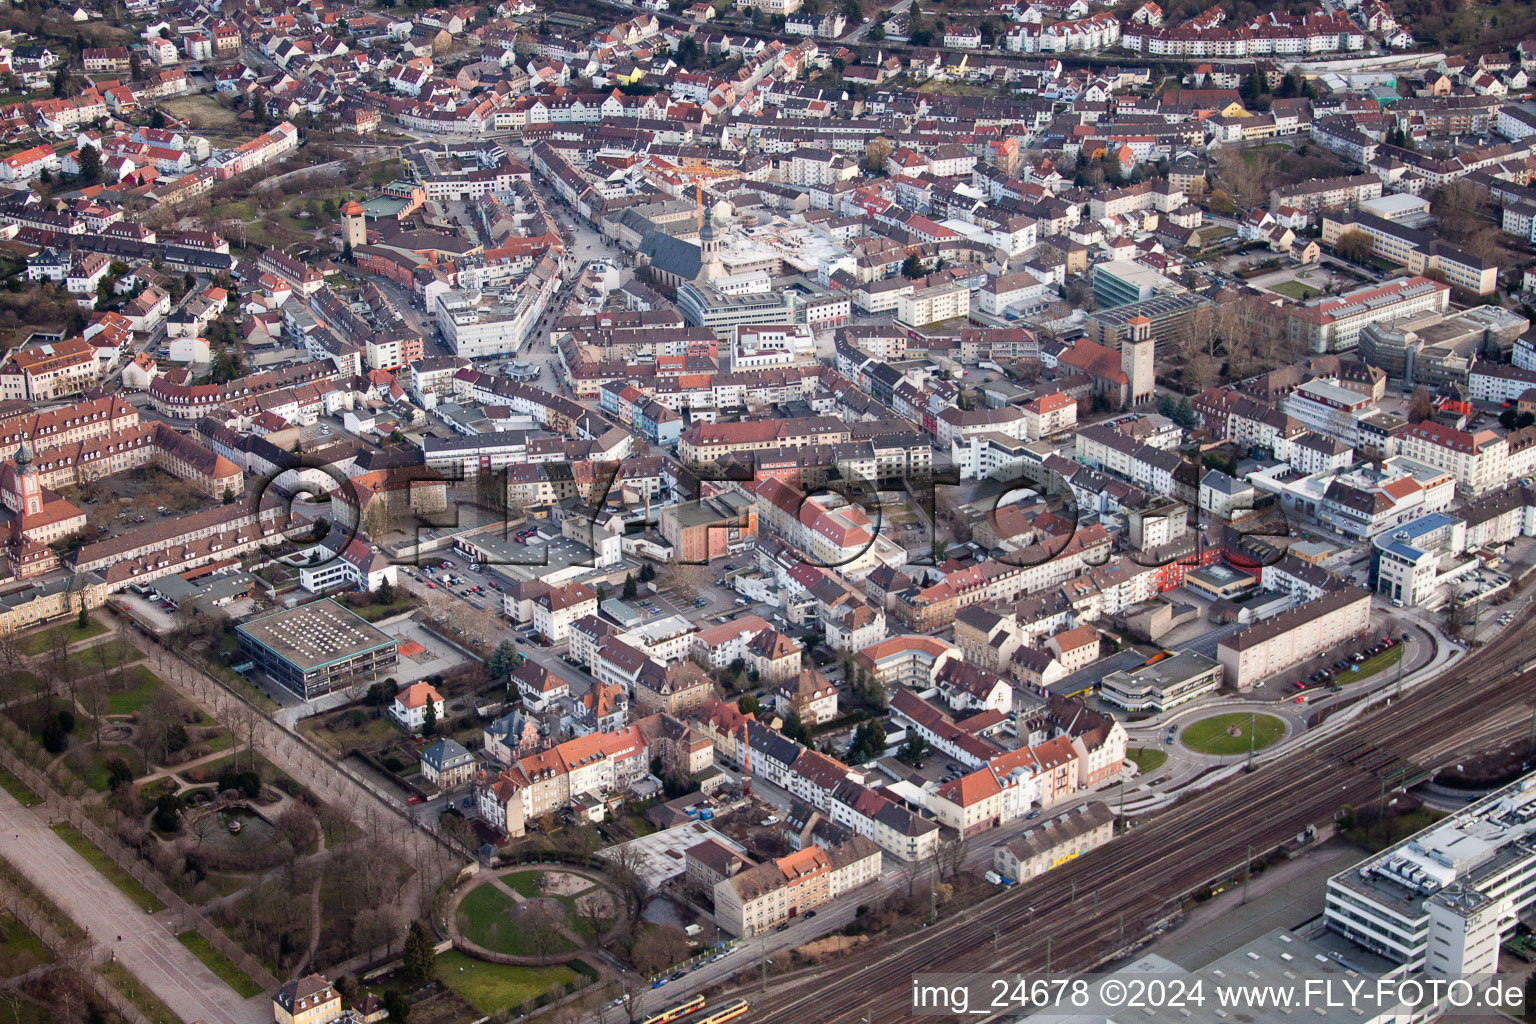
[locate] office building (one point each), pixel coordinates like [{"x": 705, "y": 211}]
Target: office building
[
  {"x": 1162, "y": 684},
  {"x": 1442, "y": 900},
  {"x": 1290, "y": 638},
  {"x": 1409, "y": 564},
  {"x": 1420, "y": 251},
  {"x": 1334, "y": 324},
  {"x": 1125, "y": 281}
]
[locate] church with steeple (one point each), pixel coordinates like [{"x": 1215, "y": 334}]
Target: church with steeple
[
  {"x": 38, "y": 517},
  {"x": 675, "y": 260}
]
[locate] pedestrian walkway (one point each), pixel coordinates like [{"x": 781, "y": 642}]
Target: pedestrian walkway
[{"x": 148, "y": 949}]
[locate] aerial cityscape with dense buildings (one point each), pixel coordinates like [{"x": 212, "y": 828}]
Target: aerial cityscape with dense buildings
[{"x": 651, "y": 511}]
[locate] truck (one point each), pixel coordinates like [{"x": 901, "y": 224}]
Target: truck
[{"x": 993, "y": 877}]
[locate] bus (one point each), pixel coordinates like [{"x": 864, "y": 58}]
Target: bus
[
  {"x": 677, "y": 1011},
  {"x": 730, "y": 1011}
]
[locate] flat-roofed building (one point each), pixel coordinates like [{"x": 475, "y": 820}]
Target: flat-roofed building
[
  {"x": 717, "y": 526},
  {"x": 1443, "y": 900},
  {"x": 1163, "y": 684},
  {"x": 1420, "y": 251},
  {"x": 1334, "y": 324},
  {"x": 316, "y": 648}
]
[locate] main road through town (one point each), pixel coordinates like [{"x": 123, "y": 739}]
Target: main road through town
[{"x": 1089, "y": 909}]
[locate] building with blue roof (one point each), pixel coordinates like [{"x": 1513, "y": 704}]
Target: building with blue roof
[{"x": 1409, "y": 563}]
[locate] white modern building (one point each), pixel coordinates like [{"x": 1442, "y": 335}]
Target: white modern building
[
  {"x": 1408, "y": 564},
  {"x": 1442, "y": 900}
]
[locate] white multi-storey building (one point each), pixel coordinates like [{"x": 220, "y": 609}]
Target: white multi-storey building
[{"x": 1441, "y": 901}]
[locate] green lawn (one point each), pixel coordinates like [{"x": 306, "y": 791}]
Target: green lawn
[
  {"x": 1146, "y": 758},
  {"x": 491, "y": 988},
  {"x": 96, "y": 659},
  {"x": 18, "y": 789},
  {"x": 20, "y": 950},
  {"x": 374, "y": 612},
  {"x": 485, "y": 917},
  {"x": 343, "y": 736},
  {"x": 142, "y": 687},
  {"x": 95, "y": 770},
  {"x": 1210, "y": 736},
  {"x": 139, "y": 994},
  {"x": 38, "y": 643},
  {"x": 109, "y": 868},
  {"x": 1370, "y": 666},
  {"x": 1296, "y": 290},
  {"x": 219, "y": 964},
  {"x": 525, "y": 882}
]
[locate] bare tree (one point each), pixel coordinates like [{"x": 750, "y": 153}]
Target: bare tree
[
  {"x": 1456, "y": 616},
  {"x": 951, "y": 858},
  {"x": 1244, "y": 173},
  {"x": 687, "y": 580},
  {"x": 659, "y": 948},
  {"x": 876, "y": 151},
  {"x": 624, "y": 871},
  {"x": 634, "y": 1000},
  {"x": 1421, "y": 406},
  {"x": 155, "y": 721},
  {"x": 123, "y": 647},
  {"x": 1354, "y": 244},
  {"x": 93, "y": 698},
  {"x": 202, "y": 828},
  {"x": 293, "y": 831},
  {"x": 58, "y": 660},
  {"x": 591, "y": 910},
  {"x": 537, "y": 921}
]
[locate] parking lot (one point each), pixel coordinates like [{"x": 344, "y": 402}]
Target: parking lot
[
  {"x": 456, "y": 578},
  {"x": 1481, "y": 585},
  {"x": 1332, "y": 672}
]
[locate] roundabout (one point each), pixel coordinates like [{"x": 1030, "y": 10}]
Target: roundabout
[{"x": 1233, "y": 733}]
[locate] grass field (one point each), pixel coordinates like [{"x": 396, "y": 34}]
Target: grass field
[
  {"x": 491, "y": 988},
  {"x": 92, "y": 763},
  {"x": 1370, "y": 666},
  {"x": 525, "y": 882},
  {"x": 143, "y": 685},
  {"x": 100, "y": 658},
  {"x": 138, "y": 993},
  {"x": 219, "y": 964},
  {"x": 203, "y": 112},
  {"x": 1146, "y": 758},
  {"x": 1296, "y": 290},
  {"x": 485, "y": 917},
  {"x": 37, "y": 643},
  {"x": 343, "y": 736},
  {"x": 20, "y": 950},
  {"x": 108, "y": 867},
  {"x": 18, "y": 789},
  {"x": 1210, "y": 736}
]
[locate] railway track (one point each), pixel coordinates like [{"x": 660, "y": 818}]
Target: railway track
[{"x": 1084, "y": 912}]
